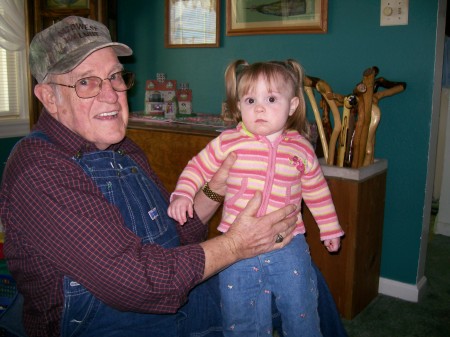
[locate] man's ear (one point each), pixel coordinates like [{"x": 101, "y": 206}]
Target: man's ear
[{"x": 44, "y": 92}]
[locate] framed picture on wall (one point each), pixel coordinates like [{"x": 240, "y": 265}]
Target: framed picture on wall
[
  {"x": 248, "y": 17},
  {"x": 69, "y": 4},
  {"x": 192, "y": 23}
]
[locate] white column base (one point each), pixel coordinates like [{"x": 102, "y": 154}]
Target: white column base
[
  {"x": 441, "y": 227},
  {"x": 404, "y": 291}
]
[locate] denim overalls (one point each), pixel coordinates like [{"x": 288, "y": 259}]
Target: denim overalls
[{"x": 125, "y": 185}]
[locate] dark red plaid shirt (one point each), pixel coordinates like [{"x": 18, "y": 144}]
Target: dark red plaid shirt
[{"x": 58, "y": 223}]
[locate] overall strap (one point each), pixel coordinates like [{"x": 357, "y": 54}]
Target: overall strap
[{"x": 39, "y": 134}]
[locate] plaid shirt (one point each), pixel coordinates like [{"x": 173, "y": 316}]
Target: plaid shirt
[{"x": 58, "y": 223}]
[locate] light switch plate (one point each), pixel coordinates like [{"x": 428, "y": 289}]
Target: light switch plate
[{"x": 394, "y": 12}]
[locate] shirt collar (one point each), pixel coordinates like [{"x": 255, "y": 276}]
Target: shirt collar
[{"x": 285, "y": 135}]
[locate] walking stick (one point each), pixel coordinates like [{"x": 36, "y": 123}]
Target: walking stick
[
  {"x": 309, "y": 84},
  {"x": 325, "y": 89}
]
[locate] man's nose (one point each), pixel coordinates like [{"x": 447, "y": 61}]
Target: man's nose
[{"x": 107, "y": 92}]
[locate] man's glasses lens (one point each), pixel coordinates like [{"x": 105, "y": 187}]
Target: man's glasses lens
[{"x": 91, "y": 86}]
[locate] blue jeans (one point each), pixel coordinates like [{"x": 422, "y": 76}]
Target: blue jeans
[{"x": 247, "y": 289}]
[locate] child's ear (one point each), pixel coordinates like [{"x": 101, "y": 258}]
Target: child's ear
[
  {"x": 295, "y": 101},
  {"x": 45, "y": 94}
]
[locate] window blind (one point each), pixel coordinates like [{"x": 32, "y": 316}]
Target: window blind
[
  {"x": 13, "y": 61},
  {"x": 9, "y": 91}
]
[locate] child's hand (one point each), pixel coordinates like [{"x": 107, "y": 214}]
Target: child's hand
[
  {"x": 179, "y": 207},
  {"x": 332, "y": 245}
]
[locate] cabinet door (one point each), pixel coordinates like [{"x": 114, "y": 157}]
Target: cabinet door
[{"x": 43, "y": 13}]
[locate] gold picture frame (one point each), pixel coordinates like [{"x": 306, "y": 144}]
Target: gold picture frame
[
  {"x": 192, "y": 24},
  {"x": 251, "y": 17}
]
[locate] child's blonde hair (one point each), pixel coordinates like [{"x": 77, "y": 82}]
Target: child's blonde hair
[{"x": 240, "y": 76}]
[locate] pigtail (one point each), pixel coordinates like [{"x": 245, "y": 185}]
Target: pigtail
[
  {"x": 298, "y": 120},
  {"x": 231, "y": 82}
]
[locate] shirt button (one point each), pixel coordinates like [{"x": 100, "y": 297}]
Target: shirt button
[{"x": 134, "y": 170}]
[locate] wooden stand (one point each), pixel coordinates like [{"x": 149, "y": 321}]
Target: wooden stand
[
  {"x": 353, "y": 273},
  {"x": 358, "y": 194}
]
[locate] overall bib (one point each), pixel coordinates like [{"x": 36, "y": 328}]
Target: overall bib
[{"x": 144, "y": 209}]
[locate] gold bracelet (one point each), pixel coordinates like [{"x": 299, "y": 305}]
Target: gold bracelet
[{"x": 212, "y": 195}]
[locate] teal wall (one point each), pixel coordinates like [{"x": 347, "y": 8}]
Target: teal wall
[
  {"x": 6, "y": 144},
  {"x": 354, "y": 42}
]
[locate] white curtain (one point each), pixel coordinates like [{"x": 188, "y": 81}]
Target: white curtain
[{"x": 12, "y": 25}]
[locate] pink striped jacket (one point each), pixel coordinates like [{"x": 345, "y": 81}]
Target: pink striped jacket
[{"x": 286, "y": 171}]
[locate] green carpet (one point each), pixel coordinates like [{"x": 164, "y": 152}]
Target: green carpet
[{"x": 390, "y": 317}]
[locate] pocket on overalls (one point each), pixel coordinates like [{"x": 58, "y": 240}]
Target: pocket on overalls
[{"x": 80, "y": 308}]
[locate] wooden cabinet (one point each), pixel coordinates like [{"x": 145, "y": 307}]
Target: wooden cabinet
[
  {"x": 43, "y": 13},
  {"x": 353, "y": 273}
]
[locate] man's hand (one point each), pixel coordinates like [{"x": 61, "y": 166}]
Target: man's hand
[{"x": 249, "y": 236}]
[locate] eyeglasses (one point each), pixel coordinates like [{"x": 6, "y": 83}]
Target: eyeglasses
[{"x": 89, "y": 87}]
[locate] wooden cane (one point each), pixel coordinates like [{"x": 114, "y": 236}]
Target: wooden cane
[
  {"x": 396, "y": 89},
  {"x": 326, "y": 118},
  {"x": 309, "y": 83},
  {"x": 324, "y": 89},
  {"x": 369, "y": 81},
  {"x": 393, "y": 89},
  {"x": 342, "y": 144},
  {"x": 338, "y": 98},
  {"x": 358, "y": 91},
  {"x": 370, "y": 146},
  {"x": 381, "y": 82},
  {"x": 351, "y": 133}
]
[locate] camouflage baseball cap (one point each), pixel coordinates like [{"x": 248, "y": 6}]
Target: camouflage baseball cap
[{"x": 64, "y": 45}]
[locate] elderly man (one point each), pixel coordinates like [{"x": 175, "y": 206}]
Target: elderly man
[{"x": 88, "y": 239}]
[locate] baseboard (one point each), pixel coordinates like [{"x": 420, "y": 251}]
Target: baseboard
[
  {"x": 404, "y": 291},
  {"x": 442, "y": 228}
]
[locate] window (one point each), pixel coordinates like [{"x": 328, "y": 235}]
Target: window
[{"x": 14, "y": 105}]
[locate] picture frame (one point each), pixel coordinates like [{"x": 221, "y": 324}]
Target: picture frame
[
  {"x": 252, "y": 17},
  {"x": 67, "y": 4},
  {"x": 192, "y": 24}
]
